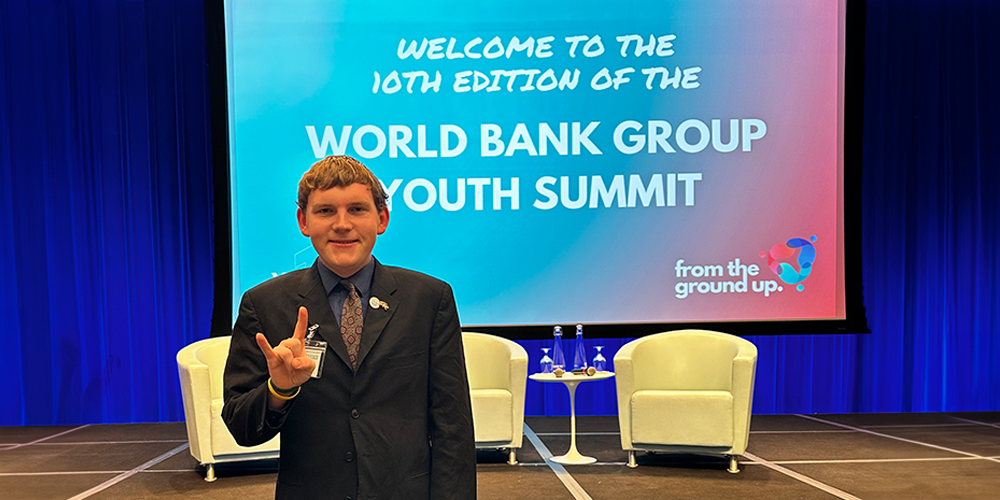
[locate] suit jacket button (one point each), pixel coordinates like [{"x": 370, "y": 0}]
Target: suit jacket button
[
  {"x": 349, "y": 457},
  {"x": 355, "y": 413}
]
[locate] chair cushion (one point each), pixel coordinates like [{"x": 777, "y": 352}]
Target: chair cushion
[
  {"x": 223, "y": 442},
  {"x": 688, "y": 418},
  {"x": 491, "y": 415}
]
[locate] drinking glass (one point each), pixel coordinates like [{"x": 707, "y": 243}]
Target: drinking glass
[
  {"x": 600, "y": 364},
  {"x": 546, "y": 362}
]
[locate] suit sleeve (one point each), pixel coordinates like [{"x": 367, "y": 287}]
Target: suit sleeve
[
  {"x": 453, "y": 447},
  {"x": 245, "y": 383}
]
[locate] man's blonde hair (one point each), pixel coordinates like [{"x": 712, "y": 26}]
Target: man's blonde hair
[{"x": 339, "y": 171}]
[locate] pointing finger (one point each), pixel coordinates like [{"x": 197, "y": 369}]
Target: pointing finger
[{"x": 301, "y": 324}]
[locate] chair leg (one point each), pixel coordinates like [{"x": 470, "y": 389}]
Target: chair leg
[
  {"x": 512, "y": 458},
  {"x": 631, "y": 459},
  {"x": 734, "y": 466},
  {"x": 210, "y": 473}
]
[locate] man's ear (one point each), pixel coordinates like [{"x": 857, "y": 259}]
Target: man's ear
[
  {"x": 383, "y": 220},
  {"x": 301, "y": 216}
]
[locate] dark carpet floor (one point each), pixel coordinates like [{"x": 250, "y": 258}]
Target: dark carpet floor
[{"x": 858, "y": 456}]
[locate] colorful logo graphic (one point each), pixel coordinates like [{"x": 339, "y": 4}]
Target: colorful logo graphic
[{"x": 780, "y": 256}]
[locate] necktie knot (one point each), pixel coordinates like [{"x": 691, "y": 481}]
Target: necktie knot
[{"x": 348, "y": 286}]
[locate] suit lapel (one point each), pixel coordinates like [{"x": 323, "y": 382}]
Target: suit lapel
[
  {"x": 383, "y": 287},
  {"x": 314, "y": 298}
]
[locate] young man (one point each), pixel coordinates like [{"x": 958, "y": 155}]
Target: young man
[{"x": 382, "y": 410}]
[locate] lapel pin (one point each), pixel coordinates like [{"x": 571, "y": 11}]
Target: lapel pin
[
  {"x": 374, "y": 302},
  {"x": 384, "y": 305}
]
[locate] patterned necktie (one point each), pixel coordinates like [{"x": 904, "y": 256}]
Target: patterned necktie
[{"x": 350, "y": 322}]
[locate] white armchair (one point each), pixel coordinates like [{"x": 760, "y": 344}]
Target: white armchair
[
  {"x": 201, "y": 365},
  {"x": 498, "y": 373},
  {"x": 689, "y": 391}
]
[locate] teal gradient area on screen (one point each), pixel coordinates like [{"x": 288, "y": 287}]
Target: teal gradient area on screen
[{"x": 577, "y": 162}]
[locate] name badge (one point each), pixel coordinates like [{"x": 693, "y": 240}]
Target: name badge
[{"x": 316, "y": 350}]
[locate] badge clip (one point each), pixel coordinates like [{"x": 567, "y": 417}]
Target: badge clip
[{"x": 312, "y": 331}]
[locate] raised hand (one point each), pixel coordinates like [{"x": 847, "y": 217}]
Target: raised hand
[{"x": 287, "y": 362}]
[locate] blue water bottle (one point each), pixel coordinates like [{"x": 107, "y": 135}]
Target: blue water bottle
[
  {"x": 558, "y": 358},
  {"x": 579, "y": 353}
]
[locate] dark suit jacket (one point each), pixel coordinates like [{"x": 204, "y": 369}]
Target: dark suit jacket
[{"x": 398, "y": 428}]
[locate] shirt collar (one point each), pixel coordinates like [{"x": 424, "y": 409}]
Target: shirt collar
[{"x": 362, "y": 279}]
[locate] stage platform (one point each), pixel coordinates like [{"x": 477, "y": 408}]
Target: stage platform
[{"x": 911, "y": 456}]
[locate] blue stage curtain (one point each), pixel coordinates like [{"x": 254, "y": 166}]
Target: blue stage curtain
[
  {"x": 931, "y": 223},
  {"x": 105, "y": 186}
]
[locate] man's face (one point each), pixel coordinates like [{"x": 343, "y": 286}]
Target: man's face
[{"x": 342, "y": 223}]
